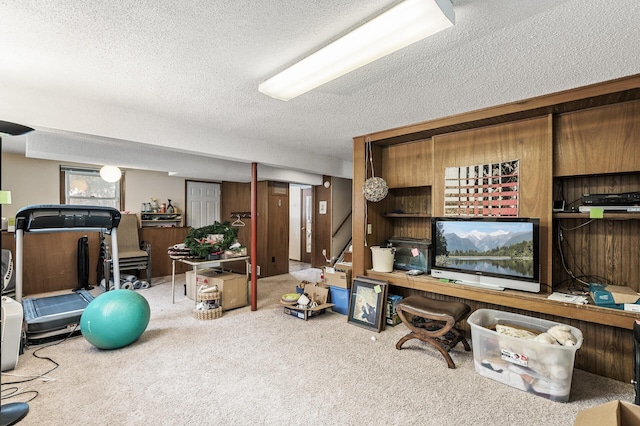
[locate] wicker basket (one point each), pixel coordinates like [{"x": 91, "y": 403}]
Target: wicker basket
[
  {"x": 207, "y": 314},
  {"x": 214, "y": 295}
]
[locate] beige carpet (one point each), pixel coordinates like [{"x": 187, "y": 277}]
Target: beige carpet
[{"x": 267, "y": 368}]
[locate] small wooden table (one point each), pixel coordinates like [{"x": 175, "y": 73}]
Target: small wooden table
[{"x": 204, "y": 264}]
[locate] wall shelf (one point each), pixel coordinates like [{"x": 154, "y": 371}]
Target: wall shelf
[
  {"x": 605, "y": 216},
  {"x": 407, "y": 215},
  {"x": 160, "y": 220},
  {"x": 535, "y": 302}
]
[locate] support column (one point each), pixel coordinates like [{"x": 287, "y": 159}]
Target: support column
[{"x": 254, "y": 236}]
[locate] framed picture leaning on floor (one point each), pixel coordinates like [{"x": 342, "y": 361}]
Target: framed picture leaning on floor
[{"x": 368, "y": 298}]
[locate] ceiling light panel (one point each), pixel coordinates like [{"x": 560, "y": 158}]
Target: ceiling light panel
[{"x": 400, "y": 26}]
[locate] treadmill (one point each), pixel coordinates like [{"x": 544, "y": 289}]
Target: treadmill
[{"x": 55, "y": 317}]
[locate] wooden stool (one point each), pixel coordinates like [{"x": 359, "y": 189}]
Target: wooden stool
[{"x": 433, "y": 321}]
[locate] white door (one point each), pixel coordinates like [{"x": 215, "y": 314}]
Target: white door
[{"x": 203, "y": 203}]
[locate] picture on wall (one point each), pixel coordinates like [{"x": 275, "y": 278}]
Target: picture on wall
[
  {"x": 482, "y": 190},
  {"x": 367, "y": 304}
]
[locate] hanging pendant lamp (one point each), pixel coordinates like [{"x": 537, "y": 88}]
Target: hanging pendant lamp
[{"x": 374, "y": 188}]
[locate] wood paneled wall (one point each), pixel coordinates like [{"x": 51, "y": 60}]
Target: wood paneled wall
[
  {"x": 321, "y": 225},
  {"x": 598, "y": 141},
  {"x": 582, "y": 141},
  {"x": 273, "y": 223},
  {"x": 530, "y": 142},
  {"x": 50, "y": 260},
  {"x": 408, "y": 164},
  {"x": 161, "y": 239},
  {"x": 597, "y": 151}
]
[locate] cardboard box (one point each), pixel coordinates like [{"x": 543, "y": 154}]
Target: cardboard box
[
  {"x": 317, "y": 294},
  {"x": 391, "y": 316},
  {"x": 232, "y": 286},
  {"x": 343, "y": 266},
  {"x": 535, "y": 367},
  {"x": 613, "y": 296},
  {"x": 303, "y": 314},
  {"x": 338, "y": 276},
  {"x": 613, "y": 413}
]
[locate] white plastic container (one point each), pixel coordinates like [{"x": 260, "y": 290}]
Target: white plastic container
[
  {"x": 535, "y": 367},
  {"x": 12, "y": 315},
  {"x": 382, "y": 258}
]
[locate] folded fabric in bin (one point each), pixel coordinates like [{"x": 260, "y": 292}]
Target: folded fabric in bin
[{"x": 536, "y": 367}]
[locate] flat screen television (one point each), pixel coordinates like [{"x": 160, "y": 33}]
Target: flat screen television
[{"x": 489, "y": 252}]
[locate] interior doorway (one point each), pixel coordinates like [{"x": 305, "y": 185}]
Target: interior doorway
[
  {"x": 306, "y": 225},
  {"x": 300, "y": 226}
]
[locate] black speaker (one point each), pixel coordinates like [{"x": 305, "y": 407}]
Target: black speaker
[{"x": 83, "y": 263}]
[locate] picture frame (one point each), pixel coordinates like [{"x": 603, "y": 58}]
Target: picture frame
[{"x": 367, "y": 304}]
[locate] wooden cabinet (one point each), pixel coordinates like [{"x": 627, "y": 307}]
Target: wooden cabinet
[{"x": 568, "y": 144}]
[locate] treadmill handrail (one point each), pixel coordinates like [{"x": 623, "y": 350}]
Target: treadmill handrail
[{"x": 66, "y": 217}]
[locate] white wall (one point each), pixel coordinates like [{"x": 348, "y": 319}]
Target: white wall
[
  {"x": 142, "y": 185},
  {"x": 33, "y": 181},
  {"x": 30, "y": 182}
]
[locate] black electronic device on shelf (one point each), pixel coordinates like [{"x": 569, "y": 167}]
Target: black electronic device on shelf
[{"x": 620, "y": 199}]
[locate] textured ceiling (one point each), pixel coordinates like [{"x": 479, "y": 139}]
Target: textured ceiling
[{"x": 173, "y": 86}]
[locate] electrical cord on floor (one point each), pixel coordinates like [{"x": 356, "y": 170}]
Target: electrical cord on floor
[{"x": 14, "y": 391}]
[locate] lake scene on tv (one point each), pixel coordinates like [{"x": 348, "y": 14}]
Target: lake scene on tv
[{"x": 504, "y": 248}]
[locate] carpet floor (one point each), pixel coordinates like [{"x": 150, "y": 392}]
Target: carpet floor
[{"x": 265, "y": 367}]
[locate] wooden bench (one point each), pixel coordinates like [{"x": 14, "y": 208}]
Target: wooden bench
[{"x": 433, "y": 321}]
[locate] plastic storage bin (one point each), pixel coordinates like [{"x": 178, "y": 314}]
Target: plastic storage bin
[
  {"x": 340, "y": 299},
  {"x": 535, "y": 367}
]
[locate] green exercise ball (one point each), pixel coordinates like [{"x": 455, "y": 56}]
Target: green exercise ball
[{"x": 115, "y": 319}]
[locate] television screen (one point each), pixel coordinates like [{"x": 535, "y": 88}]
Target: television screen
[{"x": 489, "y": 252}]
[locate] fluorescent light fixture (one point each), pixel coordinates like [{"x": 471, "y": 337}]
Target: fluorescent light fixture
[
  {"x": 110, "y": 173},
  {"x": 400, "y": 26}
]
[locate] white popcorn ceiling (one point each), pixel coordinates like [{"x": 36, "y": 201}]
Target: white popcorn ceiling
[{"x": 173, "y": 86}]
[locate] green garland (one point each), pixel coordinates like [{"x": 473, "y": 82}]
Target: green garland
[{"x": 196, "y": 238}]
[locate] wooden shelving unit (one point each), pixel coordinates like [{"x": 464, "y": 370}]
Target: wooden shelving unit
[
  {"x": 535, "y": 302},
  {"x": 400, "y": 215},
  {"x": 569, "y": 143}
]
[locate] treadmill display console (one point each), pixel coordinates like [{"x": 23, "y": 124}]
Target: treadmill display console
[{"x": 51, "y": 218}]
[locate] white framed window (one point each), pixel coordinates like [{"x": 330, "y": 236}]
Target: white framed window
[{"x": 84, "y": 186}]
